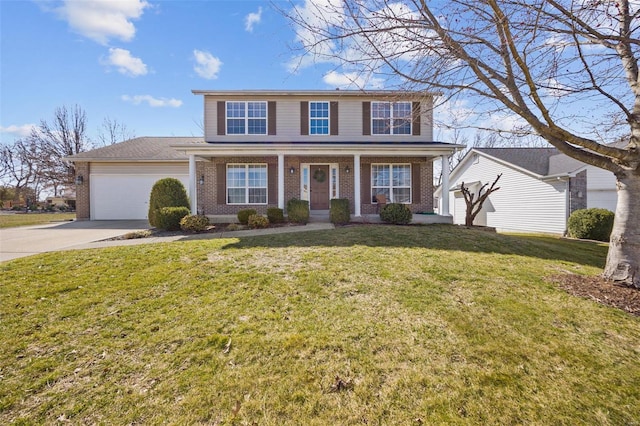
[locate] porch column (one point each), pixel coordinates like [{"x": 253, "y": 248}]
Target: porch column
[
  {"x": 356, "y": 186},
  {"x": 444, "y": 202},
  {"x": 281, "y": 181},
  {"x": 193, "y": 191}
]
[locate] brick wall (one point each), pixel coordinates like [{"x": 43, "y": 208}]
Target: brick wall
[
  {"x": 83, "y": 196},
  {"x": 207, "y": 193}
]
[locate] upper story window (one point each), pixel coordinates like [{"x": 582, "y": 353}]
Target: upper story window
[
  {"x": 318, "y": 118},
  {"x": 391, "y": 118},
  {"x": 246, "y": 118}
]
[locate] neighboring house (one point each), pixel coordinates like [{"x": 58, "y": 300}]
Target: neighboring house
[
  {"x": 539, "y": 188},
  {"x": 262, "y": 148}
]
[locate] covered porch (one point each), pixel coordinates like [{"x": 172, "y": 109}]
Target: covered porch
[{"x": 273, "y": 173}]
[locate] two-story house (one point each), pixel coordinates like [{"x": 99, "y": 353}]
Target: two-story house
[{"x": 262, "y": 148}]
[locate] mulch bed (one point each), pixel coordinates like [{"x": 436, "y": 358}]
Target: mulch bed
[{"x": 600, "y": 290}]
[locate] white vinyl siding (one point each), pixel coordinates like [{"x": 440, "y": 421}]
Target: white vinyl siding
[
  {"x": 601, "y": 189},
  {"x": 522, "y": 204},
  {"x": 288, "y": 121}
]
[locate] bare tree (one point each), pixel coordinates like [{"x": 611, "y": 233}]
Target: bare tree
[
  {"x": 474, "y": 205},
  {"x": 64, "y": 136},
  {"x": 18, "y": 162},
  {"x": 112, "y": 131},
  {"x": 568, "y": 71}
]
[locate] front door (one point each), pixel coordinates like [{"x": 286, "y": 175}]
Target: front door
[{"x": 319, "y": 188}]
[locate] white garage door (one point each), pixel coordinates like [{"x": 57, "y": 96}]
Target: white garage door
[{"x": 118, "y": 196}]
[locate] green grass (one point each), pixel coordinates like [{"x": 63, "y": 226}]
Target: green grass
[
  {"x": 22, "y": 219},
  {"x": 426, "y": 325}
]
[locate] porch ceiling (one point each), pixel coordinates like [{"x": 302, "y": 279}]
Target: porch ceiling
[{"x": 432, "y": 149}]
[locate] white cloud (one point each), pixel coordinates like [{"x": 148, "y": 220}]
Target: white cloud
[
  {"x": 20, "y": 131},
  {"x": 126, "y": 64},
  {"x": 352, "y": 80},
  {"x": 102, "y": 20},
  {"x": 153, "y": 102},
  {"x": 208, "y": 66},
  {"x": 252, "y": 19}
]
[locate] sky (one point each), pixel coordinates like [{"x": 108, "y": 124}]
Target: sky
[{"x": 136, "y": 61}]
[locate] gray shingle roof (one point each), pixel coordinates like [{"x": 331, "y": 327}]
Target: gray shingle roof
[
  {"x": 536, "y": 160},
  {"x": 139, "y": 149}
]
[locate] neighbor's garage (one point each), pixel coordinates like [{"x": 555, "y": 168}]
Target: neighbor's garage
[{"x": 120, "y": 191}]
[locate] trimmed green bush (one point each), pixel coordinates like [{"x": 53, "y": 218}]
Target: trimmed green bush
[
  {"x": 298, "y": 211},
  {"x": 168, "y": 218},
  {"x": 396, "y": 213},
  {"x": 275, "y": 215},
  {"x": 167, "y": 192},
  {"x": 257, "y": 221},
  {"x": 194, "y": 223},
  {"x": 591, "y": 224},
  {"x": 339, "y": 213},
  {"x": 243, "y": 215}
]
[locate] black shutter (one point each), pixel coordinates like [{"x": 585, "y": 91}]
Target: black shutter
[
  {"x": 271, "y": 108},
  {"x": 221, "y": 183},
  {"x": 222, "y": 118},
  {"x": 365, "y": 183},
  {"x": 366, "y": 118},
  {"x": 415, "y": 113},
  {"x": 304, "y": 118},
  {"x": 416, "y": 187},
  {"x": 272, "y": 183},
  {"x": 333, "y": 120}
]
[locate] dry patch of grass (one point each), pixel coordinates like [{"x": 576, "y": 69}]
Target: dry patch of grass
[{"x": 361, "y": 325}]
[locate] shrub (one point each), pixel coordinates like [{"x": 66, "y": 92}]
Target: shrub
[
  {"x": 275, "y": 215},
  {"x": 167, "y": 192},
  {"x": 396, "y": 213},
  {"x": 257, "y": 221},
  {"x": 298, "y": 211},
  {"x": 591, "y": 224},
  {"x": 339, "y": 211},
  {"x": 168, "y": 218},
  {"x": 234, "y": 227},
  {"x": 243, "y": 215},
  {"x": 194, "y": 223}
]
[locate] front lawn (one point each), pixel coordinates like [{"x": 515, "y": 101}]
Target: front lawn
[
  {"x": 359, "y": 325},
  {"x": 23, "y": 219}
]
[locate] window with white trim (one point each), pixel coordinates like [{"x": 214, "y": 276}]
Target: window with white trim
[
  {"x": 392, "y": 180},
  {"x": 246, "y": 184},
  {"x": 391, "y": 118},
  {"x": 318, "y": 118},
  {"x": 247, "y": 118}
]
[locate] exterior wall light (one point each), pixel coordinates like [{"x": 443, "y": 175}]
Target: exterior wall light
[
  {"x": 292, "y": 170},
  {"x": 201, "y": 180},
  {"x": 79, "y": 180},
  {"x": 347, "y": 170}
]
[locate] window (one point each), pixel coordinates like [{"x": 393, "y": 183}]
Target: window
[
  {"x": 318, "y": 118},
  {"x": 246, "y": 118},
  {"x": 247, "y": 184},
  {"x": 392, "y": 180},
  {"x": 391, "y": 118}
]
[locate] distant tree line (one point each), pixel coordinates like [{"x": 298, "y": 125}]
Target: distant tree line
[{"x": 35, "y": 164}]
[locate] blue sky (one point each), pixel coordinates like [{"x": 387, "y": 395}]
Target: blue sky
[{"x": 136, "y": 61}]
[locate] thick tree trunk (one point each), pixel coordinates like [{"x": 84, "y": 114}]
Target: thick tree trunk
[{"x": 623, "y": 259}]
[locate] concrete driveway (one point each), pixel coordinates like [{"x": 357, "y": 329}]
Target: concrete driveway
[{"x": 28, "y": 240}]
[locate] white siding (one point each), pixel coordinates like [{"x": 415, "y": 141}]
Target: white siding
[
  {"x": 522, "y": 204},
  {"x": 601, "y": 189},
  {"x": 288, "y": 121}
]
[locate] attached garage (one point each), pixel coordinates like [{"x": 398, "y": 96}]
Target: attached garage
[
  {"x": 115, "y": 181},
  {"x": 121, "y": 191}
]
